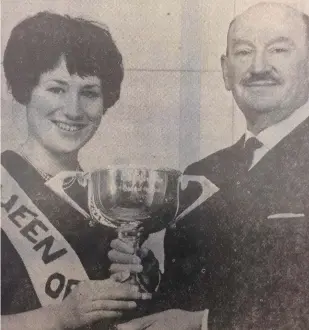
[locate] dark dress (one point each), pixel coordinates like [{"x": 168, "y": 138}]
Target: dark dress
[{"x": 90, "y": 242}]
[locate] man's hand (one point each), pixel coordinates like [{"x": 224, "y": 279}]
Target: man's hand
[
  {"x": 143, "y": 263},
  {"x": 173, "y": 319}
]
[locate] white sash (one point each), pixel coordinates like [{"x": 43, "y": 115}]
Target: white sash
[{"x": 51, "y": 263}]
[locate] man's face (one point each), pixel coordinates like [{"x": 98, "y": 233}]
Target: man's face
[{"x": 267, "y": 65}]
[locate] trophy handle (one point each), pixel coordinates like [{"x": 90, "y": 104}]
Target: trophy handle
[
  {"x": 208, "y": 189},
  {"x": 56, "y": 185}
]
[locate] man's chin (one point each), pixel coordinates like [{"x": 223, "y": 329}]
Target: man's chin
[
  {"x": 262, "y": 108},
  {"x": 258, "y": 105}
]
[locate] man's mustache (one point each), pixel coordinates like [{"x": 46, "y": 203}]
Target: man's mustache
[{"x": 261, "y": 77}]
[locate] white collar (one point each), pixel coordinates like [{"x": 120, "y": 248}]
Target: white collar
[{"x": 272, "y": 135}]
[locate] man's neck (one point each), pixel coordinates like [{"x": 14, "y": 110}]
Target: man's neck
[{"x": 256, "y": 123}]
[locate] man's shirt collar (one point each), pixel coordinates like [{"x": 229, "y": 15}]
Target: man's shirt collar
[{"x": 274, "y": 134}]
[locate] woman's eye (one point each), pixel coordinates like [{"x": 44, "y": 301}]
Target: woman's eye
[
  {"x": 90, "y": 94},
  {"x": 56, "y": 90}
]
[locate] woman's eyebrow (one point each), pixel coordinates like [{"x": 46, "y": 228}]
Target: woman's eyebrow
[
  {"x": 92, "y": 86},
  {"x": 59, "y": 81}
]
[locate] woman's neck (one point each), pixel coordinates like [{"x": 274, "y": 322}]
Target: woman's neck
[{"x": 47, "y": 161}]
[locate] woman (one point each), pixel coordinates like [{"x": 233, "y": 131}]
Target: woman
[{"x": 55, "y": 270}]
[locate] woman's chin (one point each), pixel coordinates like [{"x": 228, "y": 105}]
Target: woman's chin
[
  {"x": 64, "y": 147},
  {"x": 68, "y": 144}
]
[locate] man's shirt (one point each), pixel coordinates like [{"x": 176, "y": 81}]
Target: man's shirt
[{"x": 272, "y": 135}]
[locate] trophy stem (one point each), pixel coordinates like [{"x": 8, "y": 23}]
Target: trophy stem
[{"x": 130, "y": 234}]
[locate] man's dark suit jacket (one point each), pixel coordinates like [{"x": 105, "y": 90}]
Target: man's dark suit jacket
[{"x": 235, "y": 254}]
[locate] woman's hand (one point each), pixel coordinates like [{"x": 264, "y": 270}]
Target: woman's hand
[
  {"x": 88, "y": 302},
  {"x": 91, "y": 301},
  {"x": 142, "y": 262}
]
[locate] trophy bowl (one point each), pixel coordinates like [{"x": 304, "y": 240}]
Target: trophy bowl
[{"x": 134, "y": 199}]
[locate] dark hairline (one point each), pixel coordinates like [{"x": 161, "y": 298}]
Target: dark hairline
[{"x": 105, "y": 61}]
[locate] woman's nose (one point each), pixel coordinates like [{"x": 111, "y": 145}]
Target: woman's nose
[{"x": 73, "y": 108}]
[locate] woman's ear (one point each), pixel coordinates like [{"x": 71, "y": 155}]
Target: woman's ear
[{"x": 225, "y": 71}]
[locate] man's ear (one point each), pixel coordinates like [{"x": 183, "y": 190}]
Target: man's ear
[{"x": 225, "y": 71}]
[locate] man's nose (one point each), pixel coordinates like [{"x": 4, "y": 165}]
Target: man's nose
[
  {"x": 73, "y": 108},
  {"x": 260, "y": 63}
]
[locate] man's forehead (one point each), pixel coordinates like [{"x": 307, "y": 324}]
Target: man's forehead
[{"x": 269, "y": 20}]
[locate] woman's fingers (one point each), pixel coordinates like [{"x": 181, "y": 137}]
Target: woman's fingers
[
  {"x": 119, "y": 245},
  {"x": 118, "y": 268},
  {"x": 127, "y": 292},
  {"x": 111, "y": 305},
  {"x": 123, "y": 258},
  {"x": 111, "y": 290},
  {"x": 98, "y": 315},
  {"x": 121, "y": 277}
]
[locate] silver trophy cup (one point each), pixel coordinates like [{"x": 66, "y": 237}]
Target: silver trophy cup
[{"x": 134, "y": 200}]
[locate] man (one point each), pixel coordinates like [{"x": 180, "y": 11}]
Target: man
[{"x": 242, "y": 256}]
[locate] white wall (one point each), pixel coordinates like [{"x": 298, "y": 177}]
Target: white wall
[{"x": 173, "y": 108}]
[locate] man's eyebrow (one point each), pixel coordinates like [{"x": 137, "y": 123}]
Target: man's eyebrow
[
  {"x": 281, "y": 39},
  {"x": 236, "y": 42}
]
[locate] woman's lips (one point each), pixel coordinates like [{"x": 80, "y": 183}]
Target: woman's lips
[{"x": 69, "y": 127}]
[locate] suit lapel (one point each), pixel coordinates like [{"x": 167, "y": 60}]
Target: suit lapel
[
  {"x": 286, "y": 157},
  {"x": 278, "y": 180},
  {"x": 279, "y": 176},
  {"x": 224, "y": 166}
]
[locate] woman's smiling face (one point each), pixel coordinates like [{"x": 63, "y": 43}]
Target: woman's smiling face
[{"x": 64, "y": 110}]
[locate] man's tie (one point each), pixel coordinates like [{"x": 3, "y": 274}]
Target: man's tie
[{"x": 251, "y": 145}]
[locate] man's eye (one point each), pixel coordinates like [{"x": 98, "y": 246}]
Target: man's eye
[
  {"x": 90, "y": 94},
  {"x": 279, "y": 50},
  {"x": 56, "y": 90},
  {"x": 243, "y": 52}
]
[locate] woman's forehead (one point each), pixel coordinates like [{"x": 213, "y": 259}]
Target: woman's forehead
[{"x": 60, "y": 73}]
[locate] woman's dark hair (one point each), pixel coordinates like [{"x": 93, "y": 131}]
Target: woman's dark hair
[{"x": 38, "y": 42}]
